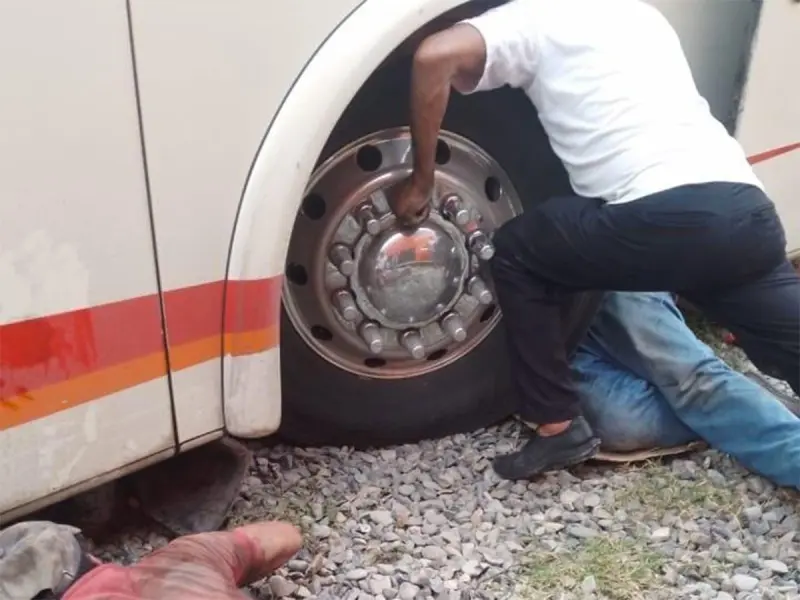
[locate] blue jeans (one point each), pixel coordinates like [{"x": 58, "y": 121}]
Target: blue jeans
[{"x": 645, "y": 381}]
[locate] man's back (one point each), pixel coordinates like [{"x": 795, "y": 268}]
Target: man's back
[{"x": 614, "y": 93}]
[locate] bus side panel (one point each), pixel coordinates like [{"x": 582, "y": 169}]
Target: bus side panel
[
  {"x": 769, "y": 123},
  {"x": 716, "y": 37},
  {"x": 83, "y": 390},
  {"x": 212, "y": 74}
]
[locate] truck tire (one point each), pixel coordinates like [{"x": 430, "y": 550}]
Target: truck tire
[{"x": 324, "y": 404}]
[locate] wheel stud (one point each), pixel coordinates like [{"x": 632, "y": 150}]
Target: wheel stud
[
  {"x": 371, "y": 334},
  {"x": 453, "y": 209},
  {"x": 480, "y": 245},
  {"x": 478, "y": 290},
  {"x": 346, "y": 305},
  {"x": 454, "y": 327},
  {"x": 342, "y": 259},
  {"x": 366, "y": 217},
  {"x": 413, "y": 343}
]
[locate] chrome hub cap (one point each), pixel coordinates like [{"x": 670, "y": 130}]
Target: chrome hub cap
[
  {"x": 410, "y": 279},
  {"x": 381, "y": 301}
]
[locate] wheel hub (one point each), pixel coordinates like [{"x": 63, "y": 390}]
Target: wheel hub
[
  {"x": 409, "y": 278},
  {"x": 383, "y": 301}
]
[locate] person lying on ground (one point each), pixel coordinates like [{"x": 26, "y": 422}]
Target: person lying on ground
[
  {"x": 649, "y": 386},
  {"x": 41, "y": 559},
  {"x": 663, "y": 197}
]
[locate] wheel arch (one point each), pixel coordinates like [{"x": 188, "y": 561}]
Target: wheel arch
[{"x": 283, "y": 164}]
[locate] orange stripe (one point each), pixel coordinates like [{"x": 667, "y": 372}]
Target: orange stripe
[
  {"x": 79, "y": 390},
  {"x": 770, "y": 154},
  {"x": 72, "y": 392},
  {"x": 52, "y": 363},
  {"x": 236, "y": 344}
]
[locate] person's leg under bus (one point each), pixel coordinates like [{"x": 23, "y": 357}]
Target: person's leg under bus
[
  {"x": 764, "y": 315},
  {"x": 630, "y": 416},
  {"x": 647, "y": 333}
]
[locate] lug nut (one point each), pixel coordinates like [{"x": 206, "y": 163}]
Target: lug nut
[
  {"x": 346, "y": 305},
  {"x": 481, "y": 245},
  {"x": 413, "y": 343},
  {"x": 371, "y": 334},
  {"x": 454, "y": 327},
  {"x": 366, "y": 216},
  {"x": 454, "y": 210},
  {"x": 478, "y": 290},
  {"x": 342, "y": 259}
]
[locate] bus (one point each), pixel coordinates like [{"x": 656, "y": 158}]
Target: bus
[{"x": 194, "y": 234}]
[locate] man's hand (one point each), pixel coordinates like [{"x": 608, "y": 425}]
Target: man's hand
[{"x": 410, "y": 201}]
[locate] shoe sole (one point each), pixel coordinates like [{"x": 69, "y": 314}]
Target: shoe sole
[{"x": 645, "y": 455}]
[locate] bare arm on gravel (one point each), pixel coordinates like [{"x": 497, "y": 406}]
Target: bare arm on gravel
[
  {"x": 454, "y": 57},
  {"x": 197, "y": 567}
]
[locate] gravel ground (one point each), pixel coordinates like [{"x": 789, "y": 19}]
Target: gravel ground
[{"x": 433, "y": 521}]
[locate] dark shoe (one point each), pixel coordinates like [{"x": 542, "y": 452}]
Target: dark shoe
[{"x": 574, "y": 445}]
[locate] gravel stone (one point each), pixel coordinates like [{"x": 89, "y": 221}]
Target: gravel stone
[
  {"x": 592, "y": 500},
  {"x": 381, "y": 517},
  {"x": 281, "y": 587},
  {"x": 357, "y": 574},
  {"x": 300, "y": 566},
  {"x": 432, "y": 521},
  {"x": 744, "y": 583},
  {"x": 408, "y": 591},
  {"x": 434, "y": 553},
  {"x": 320, "y": 531},
  {"x": 378, "y": 584},
  {"x": 776, "y": 566},
  {"x": 472, "y": 568},
  {"x": 662, "y": 534},
  {"x": 569, "y": 497},
  {"x": 589, "y": 585},
  {"x": 579, "y": 531}
]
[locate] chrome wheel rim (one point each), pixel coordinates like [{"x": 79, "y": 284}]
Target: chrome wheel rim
[{"x": 383, "y": 302}]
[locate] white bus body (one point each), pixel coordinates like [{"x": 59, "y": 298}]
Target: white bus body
[{"x": 153, "y": 160}]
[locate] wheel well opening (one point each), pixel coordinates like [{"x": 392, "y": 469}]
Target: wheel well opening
[
  {"x": 394, "y": 70},
  {"x": 392, "y": 74}
]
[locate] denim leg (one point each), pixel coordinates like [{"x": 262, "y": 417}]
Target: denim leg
[
  {"x": 626, "y": 412},
  {"x": 647, "y": 333}
]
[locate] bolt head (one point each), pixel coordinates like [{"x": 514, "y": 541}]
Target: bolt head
[
  {"x": 347, "y": 268},
  {"x": 486, "y": 252}
]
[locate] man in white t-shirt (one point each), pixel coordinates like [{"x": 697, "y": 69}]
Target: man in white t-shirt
[{"x": 664, "y": 197}]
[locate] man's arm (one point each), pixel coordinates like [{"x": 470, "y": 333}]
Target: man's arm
[
  {"x": 482, "y": 53},
  {"x": 454, "y": 57}
]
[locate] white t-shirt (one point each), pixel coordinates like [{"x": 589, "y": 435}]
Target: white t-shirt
[{"x": 614, "y": 93}]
